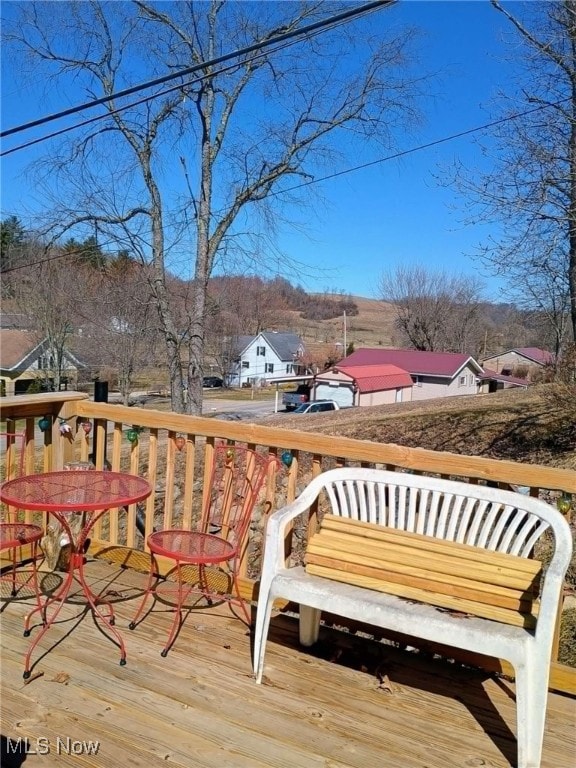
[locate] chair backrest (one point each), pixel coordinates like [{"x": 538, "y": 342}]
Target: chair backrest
[
  {"x": 11, "y": 454},
  {"x": 11, "y": 465},
  {"x": 237, "y": 476}
]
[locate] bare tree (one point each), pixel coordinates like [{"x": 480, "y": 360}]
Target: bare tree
[
  {"x": 435, "y": 311},
  {"x": 118, "y": 320},
  {"x": 47, "y": 293},
  {"x": 530, "y": 193},
  {"x": 181, "y": 179}
]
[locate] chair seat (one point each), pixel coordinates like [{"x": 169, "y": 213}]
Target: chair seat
[
  {"x": 191, "y": 546},
  {"x": 14, "y": 535},
  {"x": 209, "y": 559}
]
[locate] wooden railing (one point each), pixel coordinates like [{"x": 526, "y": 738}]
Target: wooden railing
[{"x": 175, "y": 467}]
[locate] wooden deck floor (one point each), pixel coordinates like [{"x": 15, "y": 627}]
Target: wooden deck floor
[{"x": 353, "y": 703}]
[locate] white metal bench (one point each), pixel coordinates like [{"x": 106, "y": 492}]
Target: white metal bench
[{"x": 398, "y": 584}]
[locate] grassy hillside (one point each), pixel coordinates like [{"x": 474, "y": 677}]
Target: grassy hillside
[
  {"x": 537, "y": 425},
  {"x": 372, "y": 327}
]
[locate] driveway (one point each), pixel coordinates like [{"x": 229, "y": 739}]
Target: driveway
[{"x": 238, "y": 410}]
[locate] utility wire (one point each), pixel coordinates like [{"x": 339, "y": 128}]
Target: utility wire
[
  {"x": 151, "y": 97},
  {"x": 302, "y": 31},
  {"x": 394, "y": 156},
  {"x": 429, "y": 144}
]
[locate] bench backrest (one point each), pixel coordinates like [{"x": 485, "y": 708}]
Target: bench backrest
[
  {"x": 497, "y": 520},
  {"x": 432, "y": 509}
]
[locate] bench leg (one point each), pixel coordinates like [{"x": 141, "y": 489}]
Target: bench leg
[
  {"x": 531, "y": 701},
  {"x": 265, "y": 603},
  {"x": 309, "y": 624}
]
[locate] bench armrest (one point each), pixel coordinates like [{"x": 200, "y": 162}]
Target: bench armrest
[{"x": 277, "y": 525}]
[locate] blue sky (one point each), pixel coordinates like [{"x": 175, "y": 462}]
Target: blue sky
[{"x": 395, "y": 212}]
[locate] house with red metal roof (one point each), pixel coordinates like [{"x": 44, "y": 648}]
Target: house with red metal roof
[
  {"x": 433, "y": 374},
  {"x": 363, "y": 385},
  {"x": 521, "y": 362},
  {"x": 492, "y": 381}
]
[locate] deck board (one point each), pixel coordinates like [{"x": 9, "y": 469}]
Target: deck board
[{"x": 327, "y": 708}]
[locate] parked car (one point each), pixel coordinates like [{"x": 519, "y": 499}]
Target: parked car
[
  {"x": 212, "y": 381},
  {"x": 318, "y": 406},
  {"x": 291, "y": 400}
]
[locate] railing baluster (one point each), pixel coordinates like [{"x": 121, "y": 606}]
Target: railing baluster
[{"x": 189, "y": 474}]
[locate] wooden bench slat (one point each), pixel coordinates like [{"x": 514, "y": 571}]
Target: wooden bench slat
[
  {"x": 441, "y": 562},
  {"x": 445, "y": 574},
  {"x": 453, "y": 603},
  {"x": 426, "y": 543},
  {"x": 432, "y": 588}
]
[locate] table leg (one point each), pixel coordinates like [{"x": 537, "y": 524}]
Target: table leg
[{"x": 75, "y": 573}]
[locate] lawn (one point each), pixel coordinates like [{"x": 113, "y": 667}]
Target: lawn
[{"x": 536, "y": 426}]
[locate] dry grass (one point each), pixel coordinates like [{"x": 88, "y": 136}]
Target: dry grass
[
  {"x": 530, "y": 426},
  {"x": 372, "y": 327}
]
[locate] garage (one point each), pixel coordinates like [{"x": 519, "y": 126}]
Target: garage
[
  {"x": 341, "y": 393},
  {"x": 363, "y": 385}
]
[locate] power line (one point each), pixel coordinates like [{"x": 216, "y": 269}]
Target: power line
[
  {"x": 303, "y": 31},
  {"x": 145, "y": 99},
  {"x": 396, "y": 155},
  {"x": 428, "y": 145},
  {"x": 116, "y": 111}
]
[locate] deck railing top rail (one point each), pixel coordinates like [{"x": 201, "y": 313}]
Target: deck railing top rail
[{"x": 340, "y": 448}]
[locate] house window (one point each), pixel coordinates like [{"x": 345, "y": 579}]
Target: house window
[
  {"x": 245, "y": 364},
  {"x": 462, "y": 381},
  {"x": 269, "y": 368},
  {"x": 289, "y": 368},
  {"x": 261, "y": 351},
  {"x": 417, "y": 381},
  {"x": 45, "y": 362}
]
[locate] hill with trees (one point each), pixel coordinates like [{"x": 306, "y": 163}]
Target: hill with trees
[{"x": 100, "y": 305}]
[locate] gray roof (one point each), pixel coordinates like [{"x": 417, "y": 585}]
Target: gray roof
[
  {"x": 15, "y": 321},
  {"x": 286, "y": 345}
]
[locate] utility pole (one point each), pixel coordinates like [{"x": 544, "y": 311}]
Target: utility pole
[{"x": 345, "y": 343}]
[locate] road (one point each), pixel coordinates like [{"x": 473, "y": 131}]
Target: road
[
  {"x": 238, "y": 410},
  {"x": 222, "y": 408}
]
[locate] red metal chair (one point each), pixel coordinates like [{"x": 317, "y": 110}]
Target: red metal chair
[
  {"x": 207, "y": 558},
  {"x": 14, "y": 532}
]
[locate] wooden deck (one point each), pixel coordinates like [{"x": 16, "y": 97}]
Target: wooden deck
[{"x": 353, "y": 703}]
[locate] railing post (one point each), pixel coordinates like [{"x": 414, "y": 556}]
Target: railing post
[
  {"x": 100, "y": 396},
  {"x": 63, "y": 433}
]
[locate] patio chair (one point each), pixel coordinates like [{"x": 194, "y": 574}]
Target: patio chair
[
  {"x": 14, "y": 532},
  {"x": 206, "y": 558}
]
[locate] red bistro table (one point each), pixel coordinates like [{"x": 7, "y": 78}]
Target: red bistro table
[{"x": 93, "y": 493}]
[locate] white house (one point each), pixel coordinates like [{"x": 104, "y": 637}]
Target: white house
[{"x": 269, "y": 354}]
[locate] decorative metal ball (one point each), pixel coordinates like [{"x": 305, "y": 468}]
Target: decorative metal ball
[
  {"x": 564, "y": 503},
  {"x": 44, "y": 423},
  {"x": 180, "y": 442},
  {"x": 286, "y": 458},
  {"x": 132, "y": 435}
]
